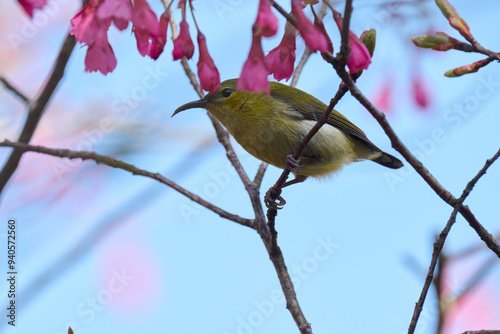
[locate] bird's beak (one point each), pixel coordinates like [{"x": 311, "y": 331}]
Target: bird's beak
[{"x": 190, "y": 105}]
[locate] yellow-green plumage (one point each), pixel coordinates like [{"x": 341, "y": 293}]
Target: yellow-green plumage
[{"x": 271, "y": 128}]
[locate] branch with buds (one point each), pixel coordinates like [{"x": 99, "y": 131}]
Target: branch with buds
[{"x": 441, "y": 41}]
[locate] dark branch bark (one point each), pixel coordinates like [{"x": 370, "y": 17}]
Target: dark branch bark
[
  {"x": 438, "y": 245},
  {"x": 114, "y": 163},
  {"x": 37, "y": 108},
  {"x": 14, "y": 90}
]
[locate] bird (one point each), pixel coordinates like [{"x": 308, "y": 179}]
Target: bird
[{"x": 271, "y": 126}]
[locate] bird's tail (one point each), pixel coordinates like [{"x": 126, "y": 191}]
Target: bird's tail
[{"x": 387, "y": 160}]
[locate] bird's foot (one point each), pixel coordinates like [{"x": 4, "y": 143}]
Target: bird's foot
[
  {"x": 293, "y": 164},
  {"x": 273, "y": 199}
]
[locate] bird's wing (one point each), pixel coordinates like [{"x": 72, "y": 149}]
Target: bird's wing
[{"x": 308, "y": 107}]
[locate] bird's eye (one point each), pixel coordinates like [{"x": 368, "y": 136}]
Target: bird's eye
[{"x": 226, "y": 92}]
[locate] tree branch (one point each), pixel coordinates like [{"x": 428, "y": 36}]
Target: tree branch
[
  {"x": 114, "y": 163},
  {"x": 260, "y": 174},
  {"x": 14, "y": 90},
  {"x": 438, "y": 245},
  {"x": 37, "y": 108},
  {"x": 417, "y": 164},
  {"x": 260, "y": 225}
]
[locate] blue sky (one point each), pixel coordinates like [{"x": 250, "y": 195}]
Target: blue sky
[{"x": 124, "y": 254}]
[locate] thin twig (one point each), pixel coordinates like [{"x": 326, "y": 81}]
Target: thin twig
[
  {"x": 438, "y": 245},
  {"x": 38, "y": 107},
  {"x": 224, "y": 139},
  {"x": 417, "y": 164},
  {"x": 114, "y": 163},
  {"x": 260, "y": 221},
  {"x": 276, "y": 189},
  {"x": 345, "y": 50},
  {"x": 472, "y": 249},
  {"x": 300, "y": 66},
  {"x": 290, "y": 18},
  {"x": 483, "y": 332},
  {"x": 260, "y": 174},
  {"x": 14, "y": 90}
]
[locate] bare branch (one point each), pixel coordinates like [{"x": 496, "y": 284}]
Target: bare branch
[
  {"x": 300, "y": 66},
  {"x": 260, "y": 225},
  {"x": 417, "y": 164},
  {"x": 260, "y": 174},
  {"x": 438, "y": 245},
  {"x": 483, "y": 332},
  {"x": 37, "y": 108},
  {"x": 472, "y": 249},
  {"x": 114, "y": 163},
  {"x": 290, "y": 18},
  {"x": 14, "y": 90}
]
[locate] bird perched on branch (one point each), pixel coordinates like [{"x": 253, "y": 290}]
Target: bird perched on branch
[{"x": 270, "y": 127}]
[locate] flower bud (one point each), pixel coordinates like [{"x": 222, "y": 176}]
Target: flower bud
[
  {"x": 368, "y": 37},
  {"x": 454, "y": 19},
  {"x": 466, "y": 69},
  {"x": 439, "y": 41}
]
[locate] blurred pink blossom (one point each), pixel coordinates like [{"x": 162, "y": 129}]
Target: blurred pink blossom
[
  {"x": 419, "y": 92},
  {"x": 131, "y": 279},
  {"x": 383, "y": 97},
  {"x": 30, "y": 5}
]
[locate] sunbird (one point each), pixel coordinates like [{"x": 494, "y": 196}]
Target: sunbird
[{"x": 270, "y": 127}]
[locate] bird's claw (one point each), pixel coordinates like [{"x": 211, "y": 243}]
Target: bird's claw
[
  {"x": 278, "y": 203},
  {"x": 293, "y": 164}
]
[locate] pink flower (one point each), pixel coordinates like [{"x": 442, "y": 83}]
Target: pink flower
[
  {"x": 207, "y": 71},
  {"x": 30, "y": 5},
  {"x": 266, "y": 22},
  {"x": 183, "y": 45},
  {"x": 360, "y": 57},
  {"x": 88, "y": 28},
  {"x": 281, "y": 59},
  {"x": 100, "y": 59},
  {"x": 158, "y": 43},
  {"x": 383, "y": 99},
  {"x": 318, "y": 23},
  {"x": 314, "y": 39},
  {"x": 253, "y": 77},
  {"x": 420, "y": 95},
  {"x": 146, "y": 27},
  {"x": 119, "y": 11}
]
